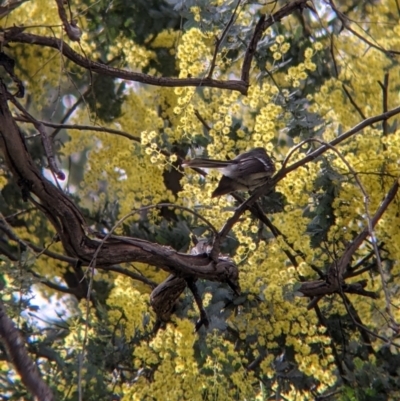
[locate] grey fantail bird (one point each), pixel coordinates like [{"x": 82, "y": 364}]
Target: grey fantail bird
[{"x": 245, "y": 172}]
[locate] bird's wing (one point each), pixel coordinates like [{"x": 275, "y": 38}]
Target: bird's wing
[
  {"x": 206, "y": 163},
  {"x": 255, "y": 165}
]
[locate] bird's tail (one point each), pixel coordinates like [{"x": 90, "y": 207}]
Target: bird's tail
[{"x": 206, "y": 163}]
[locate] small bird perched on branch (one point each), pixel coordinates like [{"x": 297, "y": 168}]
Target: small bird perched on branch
[{"x": 245, "y": 172}]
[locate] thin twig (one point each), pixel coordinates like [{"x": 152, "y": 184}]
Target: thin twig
[
  {"x": 363, "y": 260},
  {"x": 364, "y": 331},
  {"x": 71, "y": 110},
  {"x": 186, "y": 209},
  {"x": 16, "y": 214},
  {"x": 369, "y": 222},
  {"x": 132, "y": 275},
  {"x": 333, "y": 56},
  {"x": 202, "y": 120},
  {"x": 53, "y": 286},
  {"x": 284, "y": 171},
  {"x": 361, "y": 326},
  {"x": 257, "y": 212},
  {"x": 355, "y": 273},
  {"x": 221, "y": 235},
  {"x": 344, "y": 19},
  {"x": 352, "y": 101},
  {"x": 221, "y": 38},
  {"x": 47, "y": 145},
  {"x": 385, "y": 88},
  {"x": 83, "y": 128},
  {"x": 8, "y": 230}
]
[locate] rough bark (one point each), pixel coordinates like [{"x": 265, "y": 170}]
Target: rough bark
[
  {"x": 18, "y": 354},
  {"x": 70, "y": 223}
]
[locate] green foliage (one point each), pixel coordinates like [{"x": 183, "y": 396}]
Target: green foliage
[
  {"x": 321, "y": 213},
  {"x": 105, "y": 100}
]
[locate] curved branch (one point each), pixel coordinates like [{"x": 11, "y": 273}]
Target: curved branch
[
  {"x": 71, "y": 226},
  {"x": 24, "y": 365},
  {"x": 11, "y": 35},
  {"x": 284, "y": 171},
  {"x": 262, "y": 25},
  {"x": 240, "y": 85},
  {"x": 333, "y": 283}
]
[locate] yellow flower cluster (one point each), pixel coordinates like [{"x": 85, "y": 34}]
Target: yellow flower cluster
[
  {"x": 194, "y": 53},
  {"x": 196, "y": 13},
  {"x": 279, "y": 48},
  {"x": 133, "y": 166},
  {"x": 173, "y": 349},
  {"x": 134, "y": 304},
  {"x": 31, "y": 13},
  {"x": 167, "y": 38},
  {"x": 299, "y": 72},
  {"x": 137, "y": 56}
]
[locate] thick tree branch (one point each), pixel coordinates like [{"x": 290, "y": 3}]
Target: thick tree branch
[
  {"x": 284, "y": 171},
  {"x": 262, "y": 25},
  {"x": 337, "y": 269},
  {"x": 24, "y": 365},
  {"x": 15, "y": 35},
  {"x": 353, "y": 102},
  {"x": 11, "y": 35},
  {"x": 72, "y": 30},
  {"x": 71, "y": 226},
  {"x": 164, "y": 297}
]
